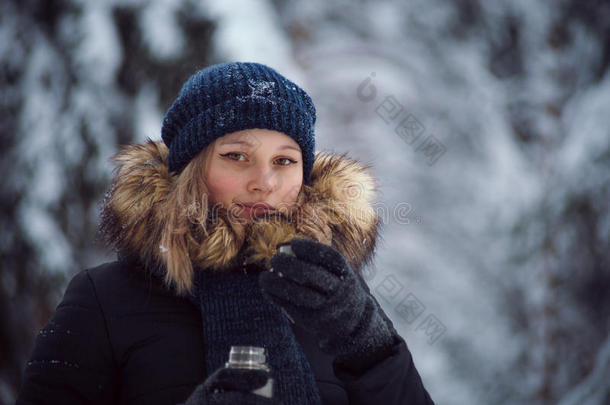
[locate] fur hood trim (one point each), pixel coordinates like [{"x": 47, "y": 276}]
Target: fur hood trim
[{"x": 336, "y": 209}]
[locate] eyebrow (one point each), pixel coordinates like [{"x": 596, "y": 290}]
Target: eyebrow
[
  {"x": 237, "y": 143},
  {"x": 290, "y": 147},
  {"x": 246, "y": 143}
]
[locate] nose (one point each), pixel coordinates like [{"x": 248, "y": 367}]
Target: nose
[{"x": 263, "y": 179}]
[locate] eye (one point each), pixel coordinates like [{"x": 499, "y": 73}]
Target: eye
[
  {"x": 286, "y": 161},
  {"x": 232, "y": 155},
  {"x": 236, "y": 156}
]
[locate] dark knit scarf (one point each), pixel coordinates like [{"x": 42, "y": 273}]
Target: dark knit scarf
[{"x": 236, "y": 314}]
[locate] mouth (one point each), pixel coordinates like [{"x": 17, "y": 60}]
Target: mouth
[{"x": 255, "y": 209}]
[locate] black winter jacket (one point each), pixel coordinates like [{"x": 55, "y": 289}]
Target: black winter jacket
[{"x": 120, "y": 336}]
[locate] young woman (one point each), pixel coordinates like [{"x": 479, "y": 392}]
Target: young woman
[{"x": 197, "y": 221}]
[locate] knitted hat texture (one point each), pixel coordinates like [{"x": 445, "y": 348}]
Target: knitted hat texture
[{"x": 234, "y": 96}]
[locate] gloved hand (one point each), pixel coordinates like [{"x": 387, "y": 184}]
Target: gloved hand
[
  {"x": 320, "y": 291},
  {"x": 231, "y": 386}
]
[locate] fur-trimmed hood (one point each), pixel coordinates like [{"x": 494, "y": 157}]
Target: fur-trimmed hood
[{"x": 335, "y": 209}]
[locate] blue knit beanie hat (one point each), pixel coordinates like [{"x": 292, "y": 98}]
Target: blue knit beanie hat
[{"x": 234, "y": 96}]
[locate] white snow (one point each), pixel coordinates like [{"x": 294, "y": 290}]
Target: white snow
[
  {"x": 160, "y": 29},
  {"x": 148, "y": 118},
  {"x": 248, "y": 31},
  {"x": 99, "y": 54},
  {"x": 448, "y": 235}
]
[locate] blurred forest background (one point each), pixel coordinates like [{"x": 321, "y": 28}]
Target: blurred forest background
[{"x": 487, "y": 124}]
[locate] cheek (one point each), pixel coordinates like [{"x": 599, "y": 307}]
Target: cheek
[
  {"x": 291, "y": 187},
  {"x": 224, "y": 190}
]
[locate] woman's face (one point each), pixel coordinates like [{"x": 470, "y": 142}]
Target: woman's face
[{"x": 254, "y": 171}]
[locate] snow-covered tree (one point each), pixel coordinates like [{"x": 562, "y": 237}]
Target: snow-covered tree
[{"x": 486, "y": 123}]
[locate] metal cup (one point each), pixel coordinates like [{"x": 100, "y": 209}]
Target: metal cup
[
  {"x": 286, "y": 249},
  {"x": 251, "y": 358}
]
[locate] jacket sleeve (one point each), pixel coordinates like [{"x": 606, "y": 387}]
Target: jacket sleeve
[
  {"x": 392, "y": 381},
  {"x": 72, "y": 361}
]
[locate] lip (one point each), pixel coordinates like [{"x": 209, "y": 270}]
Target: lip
[
  {"x": 256, "y": 208},
  {"x": 257, "y": 204}
]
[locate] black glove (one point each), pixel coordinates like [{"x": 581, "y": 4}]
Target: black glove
[
  {"x": 320, "y": 291},
  {"x": 231, "y": 386}
]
